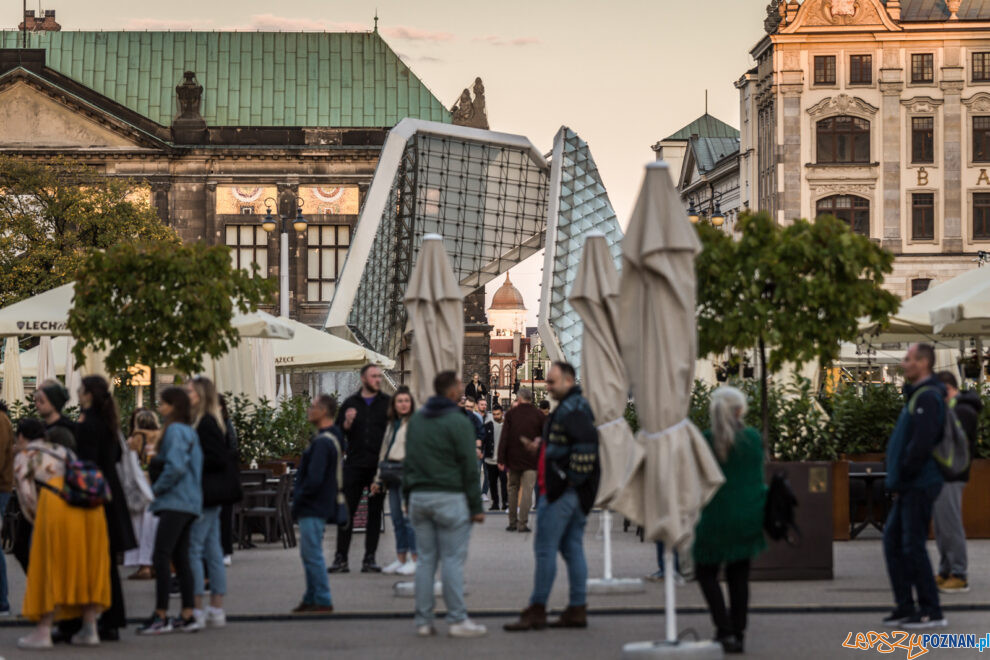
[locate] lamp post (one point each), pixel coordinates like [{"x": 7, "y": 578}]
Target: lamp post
[
  {"x": 716, "y": 217},
  {"x": 270, "y": 224},
  {"x": 515, "y": 379}
]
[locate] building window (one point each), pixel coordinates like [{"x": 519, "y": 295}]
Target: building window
[
  {"x": 919, "y": 285},
  {"x": 843, "y": 139},
  {"x": 981, "y": 139},
  {"x": 981, "y": 67},
  {"x": 825, "y": 69},
  {"x": 327, "y": 248},
  {"x": 922, "y": 139},
  {"x": 923, "y": 216},
  {"x": 248, "y": 245},
  {"x": 860, "y": 69},
  {"x": 854, "y": 210},
  {"x": 922, "y": 68},
  {"x": 981, "y": 216}
]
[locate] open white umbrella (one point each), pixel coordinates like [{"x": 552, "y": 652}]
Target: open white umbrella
[
  {"x": 595, "y": 297},
  {"x": 436, "y": 316},
  {"x": 317, "y": 350},
  {"x": 263, "y": 354},
  {"x": 46, "y": 361},
  {"x": 13, "y": 383},
  {"x": 963, "y": 311},
  {"x": 658, "y": 338}
]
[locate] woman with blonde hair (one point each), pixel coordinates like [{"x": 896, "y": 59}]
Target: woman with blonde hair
[
  {"x": 220, "y": 486},
  {"x": 730, "y": 531}
]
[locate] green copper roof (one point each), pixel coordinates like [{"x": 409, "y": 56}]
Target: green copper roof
[
  {"x": 705, "y": 126},
  {"x": 248, "y": 78}
]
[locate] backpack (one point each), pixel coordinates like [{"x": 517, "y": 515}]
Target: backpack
[
  {"x": 342, "y": 516},
  {"x": 84, "y": 485},
  {"x": 951, "y": 452},
  {"x": 778, "y": 512}
]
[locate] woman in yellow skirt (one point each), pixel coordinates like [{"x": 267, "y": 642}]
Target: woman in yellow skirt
[{"x": 69, "y": 568}]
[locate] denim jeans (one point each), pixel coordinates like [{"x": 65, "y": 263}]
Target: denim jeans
[
  {"x": 908, "y": 565},
  {"x": 660, "y": 566},
  {"x": 4, "y": 602},
  {"x": 405, "y": 537},
  {"x": 204, "y": 545},
  {"x": 311, "y": 551},
  {"x": 560, "y": 526},
  {"x": 443, "y": 529},
  {"x": 484, "y": 475}
]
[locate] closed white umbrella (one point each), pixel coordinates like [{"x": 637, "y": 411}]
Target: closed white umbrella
[
  {"x": 264, "y": 367},
  {"x": 658, "y": 339},
  {"x": 73, "y": 379},
  {"x": 13, "y": 383},
  {"x": 436, "y": 315},
  {"x": 46, "y": 360}
]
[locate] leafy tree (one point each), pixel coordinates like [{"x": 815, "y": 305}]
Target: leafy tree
[
  {"x": 798, "y": 290},
  {"x": 162, "y": 304},
  {"x": 53, "y": 214}
]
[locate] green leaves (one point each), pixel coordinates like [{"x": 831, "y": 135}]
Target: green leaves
[
  {"x": 265, "y": 433},
  {"x": 161, "y": 304}
]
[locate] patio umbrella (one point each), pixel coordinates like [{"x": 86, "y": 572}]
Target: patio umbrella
[
  {"x": 73, "y": 379},
  {"x": 595, "y": 297},
  {"x": 263, "y": 354},
  {"x": 46, "y": 361},
  {"x": 13, "y": 384},
  {"x": 678, "y": 473},
  {"x": 436, "y": 316}
]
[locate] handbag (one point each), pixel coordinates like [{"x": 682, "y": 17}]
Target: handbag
[
  {"x": 137, "y": 490},
  {"x": 389, "y": 471}
]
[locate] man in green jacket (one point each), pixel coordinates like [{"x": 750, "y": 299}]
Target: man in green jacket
[{"x": 440, "y": 482}]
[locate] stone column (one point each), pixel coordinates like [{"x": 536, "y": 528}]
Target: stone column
[
  {"x": 952, "y": 128},
  {"x": 212, "y": 230},
  {"x": 890, "y": 125},
  {"x": 791, "y": 167}
]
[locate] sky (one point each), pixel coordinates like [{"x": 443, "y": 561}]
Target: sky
[{"x": 621, "y": 74}]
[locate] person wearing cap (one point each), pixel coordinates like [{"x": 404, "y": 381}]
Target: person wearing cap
[{"x": 50, "y": 398}]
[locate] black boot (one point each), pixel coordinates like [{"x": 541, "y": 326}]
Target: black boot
[
  {"x": 339, "y": 565},
  {"x": 368, "y": 565}
]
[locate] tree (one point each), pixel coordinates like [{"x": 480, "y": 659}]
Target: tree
[
  {"x": 162, "y": 304},
  {"x": 799, "y": 289},
  {"x": 53, "y": 214}
]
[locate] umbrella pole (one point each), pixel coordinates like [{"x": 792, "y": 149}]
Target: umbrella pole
[
  {"x": 607, "y": 523},
  {"x": 670, "y": 608}
]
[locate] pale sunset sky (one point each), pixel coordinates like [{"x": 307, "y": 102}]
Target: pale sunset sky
[{"x": 622, "y": 74}]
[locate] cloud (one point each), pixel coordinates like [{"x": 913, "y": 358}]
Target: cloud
[
  {"x": 165, "y": 24},
  {"x": 415, "y": 34},
  {"x": 495, "y": 40},
  {"x": 285, "y": 24}
]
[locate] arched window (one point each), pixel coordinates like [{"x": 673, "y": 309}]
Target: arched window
[
  {"x": 843, "y": 139},
  {"x": 852, "y": 209}
]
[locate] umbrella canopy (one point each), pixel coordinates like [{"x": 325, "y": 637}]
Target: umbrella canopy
[
  {"x": 316, "y": 350},
  {"x": 678, "y": 473},
  {"x": 964, "y": 311},
  {"x": 46, "y": 360},
  {"x": 436, "y": 315},
  {"x": 263, "y": 353},
  {"x": 595, "y": 297},
  {"x": 13, "y": 383}
]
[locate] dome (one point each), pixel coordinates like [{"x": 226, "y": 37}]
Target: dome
[{"x": 508, "y": 297}]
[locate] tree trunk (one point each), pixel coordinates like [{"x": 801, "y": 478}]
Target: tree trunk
[
  {"x": 764, "y": 403},
  {"x": 152, "y": 390}
]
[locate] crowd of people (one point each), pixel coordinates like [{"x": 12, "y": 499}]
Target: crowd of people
[{"x": 169, "y": 481}]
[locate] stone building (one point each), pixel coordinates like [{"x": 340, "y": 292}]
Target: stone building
[
  {"x": 879, "y": 113},
  {"x": 517, "y": 353}
]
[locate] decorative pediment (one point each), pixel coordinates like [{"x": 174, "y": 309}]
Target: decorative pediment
[
  {"x": 922, "y": 104},
  {"x": 978, "y": 102},
  {"x": 843, "y": 104},
  {"x": 840, "y": 15},
  {"x": 37, "y": 115}
]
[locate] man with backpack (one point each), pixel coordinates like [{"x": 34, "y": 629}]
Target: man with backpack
[
  {"x": 914, "y": 478},
  {"x": 950, "y": 536}
]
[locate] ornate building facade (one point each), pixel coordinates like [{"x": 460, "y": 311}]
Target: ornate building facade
[{"x": 879, "y": 113}]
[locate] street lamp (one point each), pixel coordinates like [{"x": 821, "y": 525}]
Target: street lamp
[
  {"x": 717, "y": 217},
  {"x": 270, "y": 224},
  {"x": 693, "y": 215}
]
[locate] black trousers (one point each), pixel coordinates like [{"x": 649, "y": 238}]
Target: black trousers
[
  {"x": 227, "y": 529},
  {"x": 733, "y": 621},
  {"x": 172, "y": 547},
  {"x": 498, "y": 482},
  {"x": 356, "y": 479}
]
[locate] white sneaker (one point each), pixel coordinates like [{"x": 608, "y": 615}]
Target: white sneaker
[
  {"x": 484, "y": 498},
  {"x": 393, "y": 568},
  {"x": 409, "y": 568},
  {"x": 228, "y": 560},
  {"x": 86, "y": 637},
  {"x": 200, "y": 617},
  {"x": 467, "y": 628},
  {"x": 216, "y": 617},
  {"x": 426, "y": 631}
]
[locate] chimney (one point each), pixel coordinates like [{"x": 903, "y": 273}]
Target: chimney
[{"x": 45, "y": 23}]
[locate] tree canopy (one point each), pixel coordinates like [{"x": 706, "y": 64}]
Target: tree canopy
[
  {"x": 53, "y": 214},
  {"x": 161, "y": 304}
]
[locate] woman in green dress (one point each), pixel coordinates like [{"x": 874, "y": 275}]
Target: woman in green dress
[{"x": 730, "y": 531}]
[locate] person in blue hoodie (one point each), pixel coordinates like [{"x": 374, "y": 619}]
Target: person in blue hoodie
[
  {"x": 177, "y": 474},
  {"x": 915, "y": 480}
]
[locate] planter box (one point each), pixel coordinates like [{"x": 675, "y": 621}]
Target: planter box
[
  {"x": 811, "y": 559},
  {"x": 840, "y": 501},
  {"x": 976, "y": 501}
]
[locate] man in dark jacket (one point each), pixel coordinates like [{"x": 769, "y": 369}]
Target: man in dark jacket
[
  {"x": 914, "y": 478},
  {"x": 517, "y": 452},
  {"x": 950, "y": 536},
  {"x": 314, "y": 502},
  {"x": 363, "y": 417},
  {"x": 569, "y": 474}
]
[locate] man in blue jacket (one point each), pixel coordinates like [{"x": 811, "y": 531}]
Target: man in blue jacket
[
  {"x": 315, "y": 502},
  {"x": 915, "y": 480}
]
